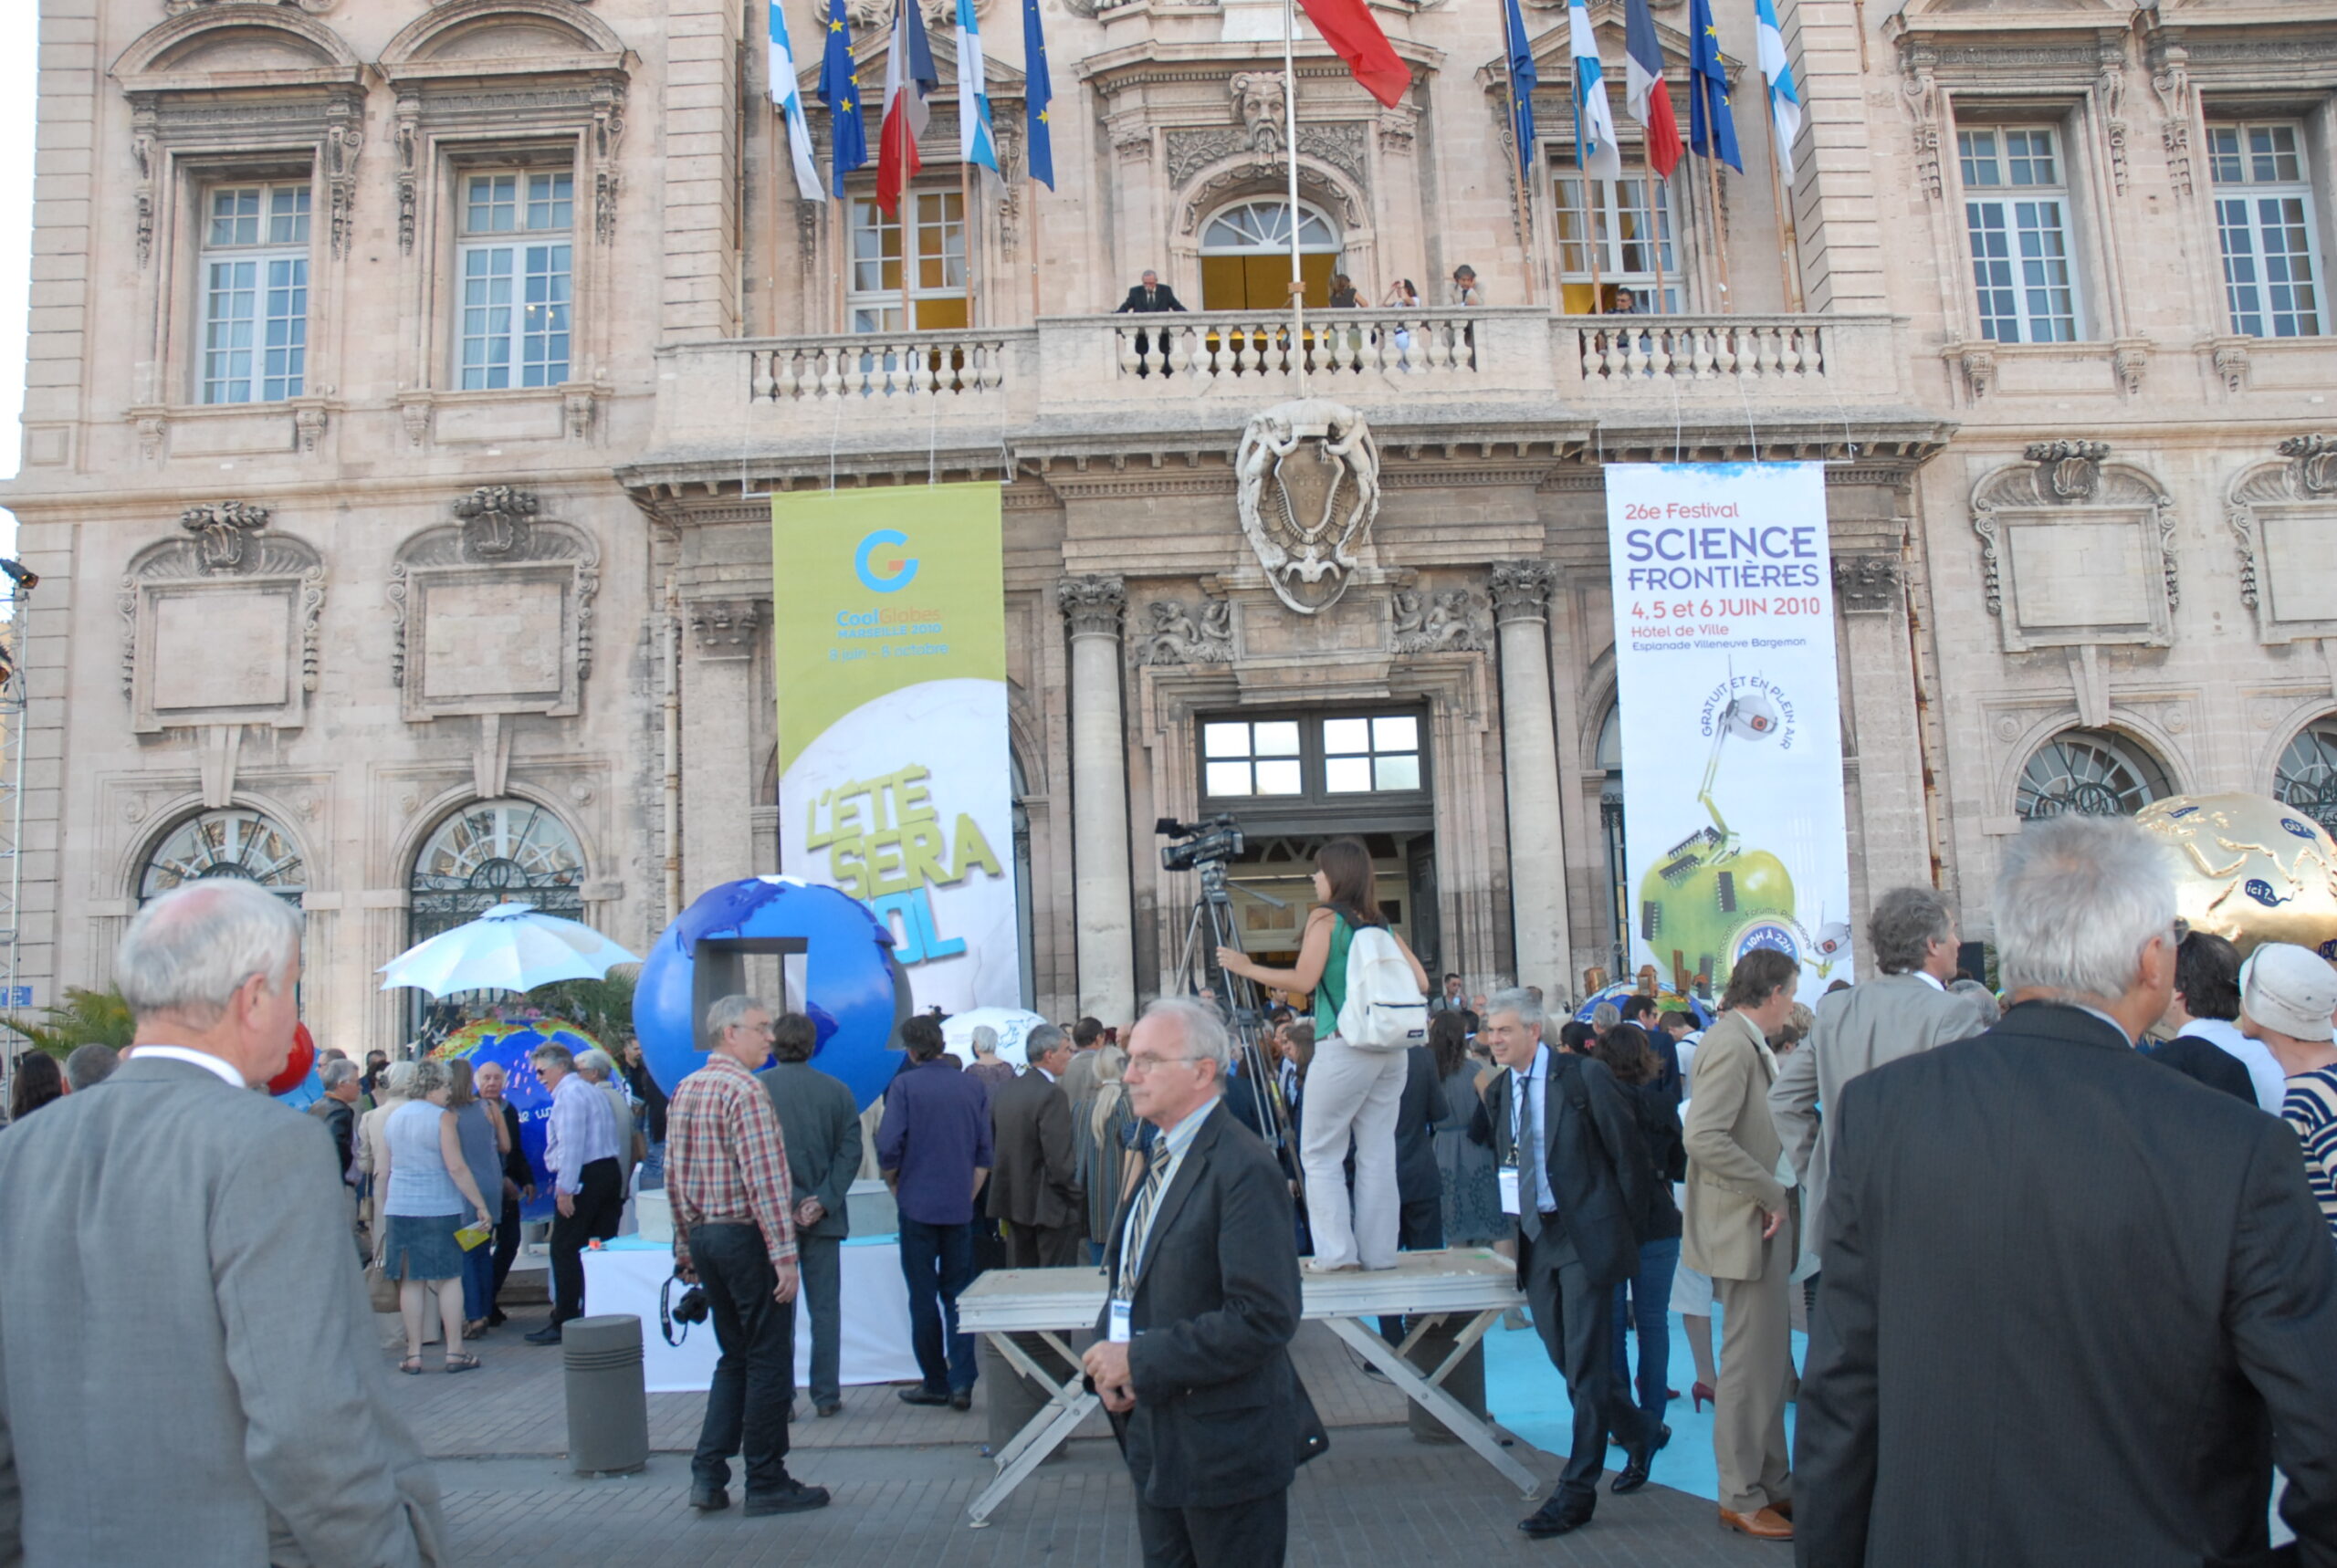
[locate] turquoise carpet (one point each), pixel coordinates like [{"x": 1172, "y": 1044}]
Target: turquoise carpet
[{"x": 1526, "y": 1395}]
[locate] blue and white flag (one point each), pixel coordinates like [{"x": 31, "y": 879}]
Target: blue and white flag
[
  {"x": 1595, "y": 152},
  {"x": 790, "y": 101},
  {"x": 975, "y": 142},
  {"x": 1785, "y": 101}
]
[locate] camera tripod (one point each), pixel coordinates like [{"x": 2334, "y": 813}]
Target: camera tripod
[{"x": 1198, "y": 974}]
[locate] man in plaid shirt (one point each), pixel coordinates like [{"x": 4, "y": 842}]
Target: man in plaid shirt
[{"x": 734, "y": 1233}]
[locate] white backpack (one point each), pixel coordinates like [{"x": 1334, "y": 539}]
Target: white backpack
[{"x": 1384, "y": 1009}]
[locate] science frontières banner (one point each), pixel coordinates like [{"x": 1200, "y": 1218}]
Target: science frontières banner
[
  {"x": 1730, "y": 703},
  {"x": 888, "y": 615}
]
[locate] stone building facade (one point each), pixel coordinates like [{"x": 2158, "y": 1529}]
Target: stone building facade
[{"x": 408, "y": 382}]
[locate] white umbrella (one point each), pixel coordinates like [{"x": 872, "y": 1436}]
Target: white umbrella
[
  {"x": 508, "y": 949},
  {"x": 1014, "y": 1025}
]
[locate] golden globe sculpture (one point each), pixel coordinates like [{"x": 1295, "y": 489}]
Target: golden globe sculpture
[{"x": 2250, "y": 869}]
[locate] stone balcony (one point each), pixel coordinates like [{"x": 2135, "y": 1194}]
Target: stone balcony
[{"x": 1450, "y": 375}]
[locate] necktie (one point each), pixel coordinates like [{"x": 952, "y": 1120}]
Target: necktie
[
  {"x": 1529, "y": 1161},
  {"x": 1140, "y": 1220}
]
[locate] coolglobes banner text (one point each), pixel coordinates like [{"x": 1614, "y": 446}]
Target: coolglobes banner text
[
  {"x": 1729, "y": 699},
  {"x": 889, "y": 637}
]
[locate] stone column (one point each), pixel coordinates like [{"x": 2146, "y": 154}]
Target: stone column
[
  {"x": 1101, "y": 895},
  {"x": 1890, "y": 839},
  {"x": 1537, "y": 868},
  {"x": 718, "y": 771}
]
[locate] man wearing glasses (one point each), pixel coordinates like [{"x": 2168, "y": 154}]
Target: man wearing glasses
[{"x": 1192, "y": 1358}]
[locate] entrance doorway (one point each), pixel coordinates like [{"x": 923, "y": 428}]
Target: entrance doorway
[{"x": 1245, "y": 258}]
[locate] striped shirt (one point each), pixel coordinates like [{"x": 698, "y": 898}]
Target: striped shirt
[
  {"x": 726, "y": 1159},
  {"x": 2311, "y": 1108}
]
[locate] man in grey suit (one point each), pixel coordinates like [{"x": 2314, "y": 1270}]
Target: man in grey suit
[
  {"x": 1033, "y": 1179},
  {"x": 175, "y": 1259},
  {"x": 1905, "y": 1009},
  {"x": 821, "y": 1123}
]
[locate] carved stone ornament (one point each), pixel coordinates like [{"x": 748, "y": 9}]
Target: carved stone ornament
[
  {"x": 2283, "y": 516},
  {"x": 1093, "y": 605},
  {"x": 1980, "y": 371},
  {"x": 313, "y": 7},
  {"x": 2076, "y": 550},
  {"x": 220, "y": 622},
  {"x": 1260, "y": 102},
  {"x": 1450, "y": 622},
  {"x": 220, "y": 531},
  {"x": 1308, "y": 476},
  {"x": 1172, "y": 636},
  {"x": 502, "y": 630},
  {"x": 496, "y": 520},
  {"x": 727, "y": 628},
  {"x": 1521, "y": 589},
  {"x": 1866, "y": 584}
]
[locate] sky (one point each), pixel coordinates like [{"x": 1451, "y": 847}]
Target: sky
[{"x": 18, "y": 55}]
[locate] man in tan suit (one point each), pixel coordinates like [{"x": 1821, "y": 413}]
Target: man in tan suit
[
  {"x": 1738, "y": 1231},
  {"x": 1904, "y": 1009}
]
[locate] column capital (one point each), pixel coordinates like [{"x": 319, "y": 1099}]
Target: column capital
[
  {"x": 1521, "y": 589},
  {"x": 1866, "y": 584},
  {"x": 727, "y": 628},
  {"x": 1095, "y": 605}
]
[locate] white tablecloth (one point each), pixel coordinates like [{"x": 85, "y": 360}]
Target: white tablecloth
[{"x": 626, "y": 1279}]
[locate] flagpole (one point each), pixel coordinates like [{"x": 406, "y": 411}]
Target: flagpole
[
  {"x": 1032, "y": 186},
  {"x": 1594, "y": 210},
  {"x": 1786, "y": 260},
  {"x": 1290, "y": 147},
  {"x": 966, "y": 215},
  {"x": 1524, "y": 200},
  {"x": 1657, "y": 190},
  {"x": 1720, "y": 237}
]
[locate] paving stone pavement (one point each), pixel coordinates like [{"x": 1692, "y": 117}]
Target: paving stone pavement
[{"x": 902, "y": 1477}]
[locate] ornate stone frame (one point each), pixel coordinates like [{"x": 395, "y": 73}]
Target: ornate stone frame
[
  {"x": 192, "y": 126},
  {"x": 2070, "y": 482},
  {"x": 225, "y": 549},
  {"x": 2302, "y": 486},
  {"x": 499, "y": 538}
]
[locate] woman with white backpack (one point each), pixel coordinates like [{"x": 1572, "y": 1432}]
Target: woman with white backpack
[{"x": 1370, "y": 1006}]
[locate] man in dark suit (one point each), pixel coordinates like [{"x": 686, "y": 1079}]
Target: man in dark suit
[
  {"x": 1034, "y": 1179},
  {"x": 2073, "y": 1308},
  {"x": 1150, "y": 298},
  {"x": 2207, "y": 1042},
  {"x": 519, "y": 1180},
  {"x": 820, "y": 1122},
  {"x": 1574, "y": 1201},
  {"x": 934, "y": 1149},
  {"x": 1419, "y": 1182},
  {"x": 176, "y": 1288},
  {"x": 1192, "y": 1353}
]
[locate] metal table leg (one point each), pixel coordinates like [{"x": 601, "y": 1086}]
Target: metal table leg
[{"x": 1434, "y": 1399}]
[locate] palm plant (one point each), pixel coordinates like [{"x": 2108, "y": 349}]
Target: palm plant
[{"x": 85, "y": 1017}]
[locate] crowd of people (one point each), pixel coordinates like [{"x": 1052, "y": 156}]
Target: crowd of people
[{"x": 2066, "y": 1298}]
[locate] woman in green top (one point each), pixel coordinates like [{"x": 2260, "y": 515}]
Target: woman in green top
[{"x": 1349, "y": 1090}]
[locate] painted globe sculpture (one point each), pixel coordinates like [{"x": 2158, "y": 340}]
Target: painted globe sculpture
[
  {"x": 508, "y": 1043},
  {"x": 2250, "y": 869}
]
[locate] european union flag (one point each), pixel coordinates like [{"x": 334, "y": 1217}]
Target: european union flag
[
  {"x": 1038, "y": 91},
  {"x": 1712, "y": 128},
  {"x": 1522, "y": 79},
  {"x": 840, "y": 90}
]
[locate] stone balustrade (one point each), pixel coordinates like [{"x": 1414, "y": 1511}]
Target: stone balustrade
[{"x": 918, "y": 388}]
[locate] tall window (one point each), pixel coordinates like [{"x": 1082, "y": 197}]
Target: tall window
[
  {"x": 1312, "y": 759},
  {"x": 2264, "y": 219},
  {"x": 1615, "y": 226},
  {"x": 938, "y": 262},
  {"x": 1245, "y": 258},
  {"x": 2017, "y": 213},
  {"x": 516, "y": 263},
  {"x": 256, "y": 293},
  {"x": 2089, "y": 773},
  {"x": 2306, "y": 777},
  {"x": 235, "y": 842},
  {"x": 493, "y": 852}
]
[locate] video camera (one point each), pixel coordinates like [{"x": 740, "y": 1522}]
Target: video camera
[{"x": 1212, "y": 838}]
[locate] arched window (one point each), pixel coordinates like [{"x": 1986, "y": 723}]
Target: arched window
[
  {"x": 2091, "y": 772},
  {"x": 1245, "y": 256},
  {"x": 234, "y": 843},
  {"x": 2307, "y": 775},
  {"x": 493, "y": 852}
]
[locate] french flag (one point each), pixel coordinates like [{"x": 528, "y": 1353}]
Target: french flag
[
  {"x": 1348, "y": 27},
  {"x": 909, "y": 76},
  {"x": 1644, "y": 92}
]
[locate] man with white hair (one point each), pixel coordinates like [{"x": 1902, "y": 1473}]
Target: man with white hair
[
  {"x": 598, "y": 1068},
  {"x": 588, "y": 1187},
  {"x": 176, "y": 1288},
  {"x": 2074, "y": 1307},
  {"x": 1193, "y": 1353}
]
